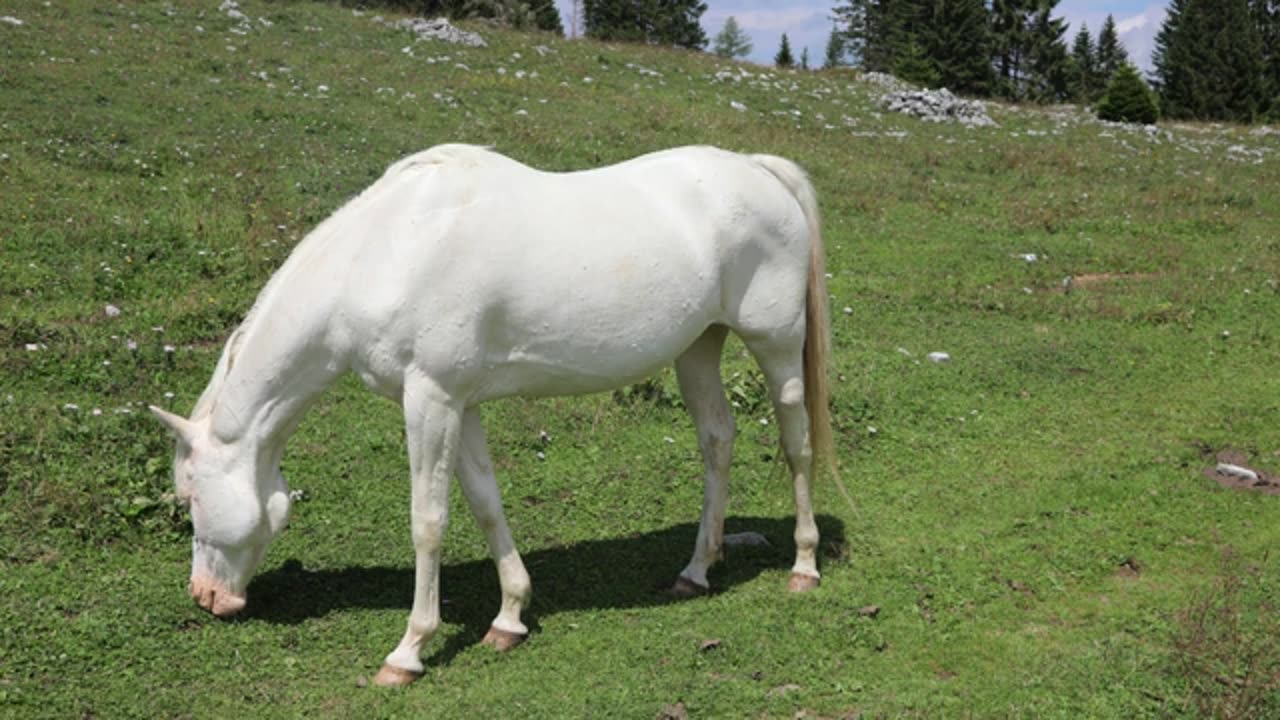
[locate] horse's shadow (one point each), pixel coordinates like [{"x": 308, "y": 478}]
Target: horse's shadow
[{"x": 613, "y": 573}]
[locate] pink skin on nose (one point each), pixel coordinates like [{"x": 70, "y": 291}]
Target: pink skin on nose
[{"x": 214, "y": 596}]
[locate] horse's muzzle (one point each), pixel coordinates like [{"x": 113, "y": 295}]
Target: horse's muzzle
[{"x": 215, "y": 597}]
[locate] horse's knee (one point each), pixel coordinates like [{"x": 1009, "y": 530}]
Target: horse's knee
[{"x": 428, "y": 530}]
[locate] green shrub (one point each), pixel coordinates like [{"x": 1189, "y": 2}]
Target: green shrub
[{"x": 1128, "y": 99}]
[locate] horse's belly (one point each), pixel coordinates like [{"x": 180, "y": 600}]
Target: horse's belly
[{"x": 589, "y": 349}]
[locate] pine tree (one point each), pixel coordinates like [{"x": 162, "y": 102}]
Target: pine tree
[
  {"x": 1128, "y": 99},
  {"x": 1111, "y": 54},
  {"x": 546, "y": 16},
  {"x": 1047, "y": 56},
  {"x": 664, "y": 22},
  {"x": 954, "y": 35},
  {"x": 1210, "y": 62},
  {"x": 835, "y": 54},
  {"x": 731, "y": 41},
  {"x": 915, "y": 66},
  {"x": 784, "y": 58},
  {"x": 1010, "y": 38},
  {"x": 1084, "y": 67},
  {"x": 804, "y": 58},
  {"x": 1267, "y": 17},
  {"x": 1162, "y": 65},
  {"x": 877, "y": 32}
]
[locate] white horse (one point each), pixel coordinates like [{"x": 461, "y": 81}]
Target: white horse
[{"x": 462, "y": 276}]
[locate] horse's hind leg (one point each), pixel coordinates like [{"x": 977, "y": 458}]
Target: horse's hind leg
[
  {"x": 475, "y": 474},
  {"x": 698, "y": 370},
  {"x": 782, "y": 361}
]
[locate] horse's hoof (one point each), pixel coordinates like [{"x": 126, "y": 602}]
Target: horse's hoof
[
  {"x": 686, "y": 588},
  {"x": 802, "y": 583},
  {"x": 502, "y": 640},
  {"x": 392, "y": 676}
]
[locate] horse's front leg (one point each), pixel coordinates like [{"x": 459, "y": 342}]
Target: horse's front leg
[{"x": 433, "y": 425}]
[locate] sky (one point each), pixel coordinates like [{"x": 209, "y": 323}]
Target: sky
[{"x": 807, "y": 23}]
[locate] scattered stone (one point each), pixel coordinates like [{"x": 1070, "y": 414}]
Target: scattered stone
[
  {"x": 1233, "y": 472},
  {"x": 887, "y": 81},
  {"x": 748, "y": 538},
  {"x": 112, "y": 311},
  {"x": 711, "y": 644},
  {"x": 11, "y": 20},
  {"x": 440, "y": 29},
  {"x": 737, "y": 106},
  {"x": 869, "y": 611},
  {"x": 938, "y": 357},
  {"x": 938, "y": 106},
  {"x": 1237, "y": 471}
]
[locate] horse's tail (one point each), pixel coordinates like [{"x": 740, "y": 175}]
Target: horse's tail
[{"x": 817, "y": 339}]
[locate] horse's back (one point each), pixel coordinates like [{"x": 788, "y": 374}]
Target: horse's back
[{"x": 518, "y": 281}]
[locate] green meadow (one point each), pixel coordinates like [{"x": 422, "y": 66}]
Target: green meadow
[{"x": 1037, "y": 531}]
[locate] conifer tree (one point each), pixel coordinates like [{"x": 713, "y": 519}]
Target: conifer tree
[
  {"x": 1111, "y": 54},
  {"x": 731, "y": 41},
  {"x": 1084, "y": 67},
  {"x": 877, "y": 32},
  {"x": 1010, "y": 36},
  {"x": 954, "y": 35},
  {"x": 784, "y": 58},
  {"x": 835, "y": 54},
  {"x": 1267, "y": 18},
  {"x": 1210, "y": 62},
  {"x": 1128, "y": 99},
  {"x": 1163, "y": 66},
  {"x": 804, "y": 58},
  {"x": 1029, "y": 53},
  {"x": 1048, "y": 55},
  {"x": 664, "y": 22},
  {"x": 915, "y": 67}
]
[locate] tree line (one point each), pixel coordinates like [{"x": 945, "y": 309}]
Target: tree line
[{"x": 1214, "y": 59}]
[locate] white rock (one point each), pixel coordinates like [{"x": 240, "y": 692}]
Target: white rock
[
  {"x": 1237, "y": 471},
  {"x": 938, "y": 357},
  {"x": 737, "y": 106},
  {"x": 440, "y": 29},
  {"x": 11, "y": 20}
]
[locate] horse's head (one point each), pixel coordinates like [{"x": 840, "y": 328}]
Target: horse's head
[{"x": 238, "y": 502}]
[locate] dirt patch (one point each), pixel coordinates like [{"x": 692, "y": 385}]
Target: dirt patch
[
  {"x": 1234, "y": 472},
  {"x": 1130, "y": 568}
]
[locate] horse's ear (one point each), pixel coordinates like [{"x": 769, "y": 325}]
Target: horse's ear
[{"x": 182, "y": 428}]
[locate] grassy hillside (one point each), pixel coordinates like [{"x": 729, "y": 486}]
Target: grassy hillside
[{"x": 1034, "y": 525}]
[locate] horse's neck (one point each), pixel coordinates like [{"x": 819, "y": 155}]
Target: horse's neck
[{"x": 270, "y": 372}]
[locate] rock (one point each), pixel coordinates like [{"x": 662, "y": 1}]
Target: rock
[
  {"x": 938, "y": 357},
  {"x": 886, "y": 81},
  {"x": 440, "y": 29},
  {"x": 938, "y": 106},
  {"x": 1237, "y": 471}
]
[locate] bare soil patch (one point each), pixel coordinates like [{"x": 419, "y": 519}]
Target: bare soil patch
[{"x": 1234, "y": 471}]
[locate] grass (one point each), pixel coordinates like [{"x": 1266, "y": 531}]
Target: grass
[{"x": 1032, "y": 520}]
